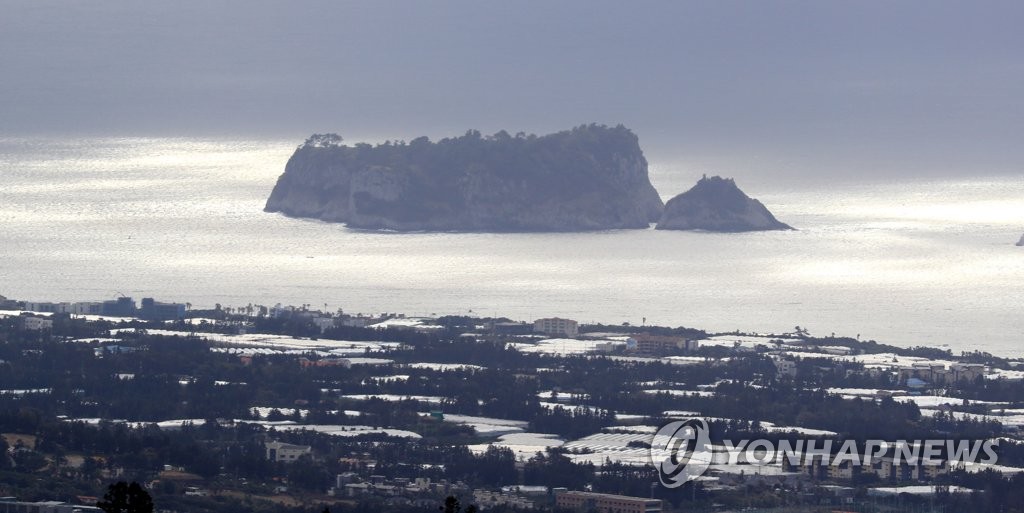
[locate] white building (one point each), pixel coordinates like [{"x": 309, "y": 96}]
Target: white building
[
  {"x": 280, "y": 451},
  {"x": 485, "y": 499},
  {"x": 36, "y": 323},
  {"x": 357, "y": 321},
  {"x": 87, "y": 308},
  {"x": 80, "y": 308},
  {"x": 279, "y": 311},
  {"x": 45, "y": 307},
  {"x": 324, "y": 323},
  {"x": 784, "y": 368},
  {"x": 836, "y": 350},
  {"x": 556, "y": 326}
]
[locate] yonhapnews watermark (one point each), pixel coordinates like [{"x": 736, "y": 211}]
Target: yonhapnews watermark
[{"x": 682, "y": 451}]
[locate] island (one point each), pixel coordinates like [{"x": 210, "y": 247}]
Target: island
[
  {"x": 592, "y": 177},
  {"x": 716, "y": 204},
  {"x": 1021, "y": 241}
]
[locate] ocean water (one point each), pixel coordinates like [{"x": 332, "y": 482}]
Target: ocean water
[{"x": 909, "y": 263}]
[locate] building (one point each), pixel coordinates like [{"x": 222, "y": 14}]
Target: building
[
  {"x": 104, "y": 350},
  {"x": 841, "y": 470},
  {"x": 280, "y": 451},
  {"x": 326, "y": 362},
  {"x": 836, "y": 350},
  {"x": 87, "y": 308},
  {"x": 609, "y": 346},
  {"x": 356, "y": 321},
  {"x": 80, "y": 308},
  {"x": 556, "y": 326},
  {"x": 937, "y": 373},
  {"x": 324, "y": 323},
  {"x": 278, "y": 311},
  {"x": 888, "y": 470},
  {"x": 486, "y": 499},
  {"x": 605, "y": 503},
  {"x": 345, "y": 478},
  {"x": 120, "y": 307},
  {"x": 31, "y": 306},
  {"x": 32, "y": 323},
  {"x": 656, "y": 344},
  {"x": 784, "y": 368},
  {"x": 155, "y": 311},
  {"x": 511, "y": 328},
  {"x": 885, "y": 468},
  {"x": 965, "y": 372}
]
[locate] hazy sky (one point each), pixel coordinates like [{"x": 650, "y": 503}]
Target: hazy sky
[{"x": 816, "y": 86}]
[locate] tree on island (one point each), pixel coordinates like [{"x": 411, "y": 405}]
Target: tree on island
[
  {"x": 122, "y": 497},
  {"x": 323, "y": 141}
]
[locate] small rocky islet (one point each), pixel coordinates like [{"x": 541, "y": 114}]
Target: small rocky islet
[{"x": 716, "y": 204}]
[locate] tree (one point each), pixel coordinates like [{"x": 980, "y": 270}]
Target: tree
[
  {"x": 122, "y": 497},
  {"x": 323, "y": 141},
  {"x": 451, "y": 505}
]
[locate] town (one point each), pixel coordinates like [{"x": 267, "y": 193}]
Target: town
[{"x": 282, "y": 408}]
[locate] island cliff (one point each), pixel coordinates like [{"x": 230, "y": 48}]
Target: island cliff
[
  {"x": 716, "y": 204},
  {"x": 592, "y": 177}
]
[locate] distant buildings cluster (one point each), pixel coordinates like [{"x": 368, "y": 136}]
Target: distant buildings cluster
[
  {"x": 150, "y": 310},
  {"x": 123, "y": 307},
  {"x": 937, "y": 373},
  {"x": 642, "y": 343},
  {"x": 418, "y": 492},
  {"x": 916, "y": 375},
  {"x": 328, "y": 320},
  {"x": 422, "y": 492},
  {"x": 518, "y": 497},
  {"x": 887, "y": 469}
]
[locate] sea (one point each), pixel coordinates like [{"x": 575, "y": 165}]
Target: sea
[{"x": 915, "y": 262}]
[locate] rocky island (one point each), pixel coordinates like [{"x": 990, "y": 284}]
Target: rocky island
[
  {"x": 1021, "y": 241},
  {"x": 716, "y": 204},
  {"x": 592, "y": 177}
]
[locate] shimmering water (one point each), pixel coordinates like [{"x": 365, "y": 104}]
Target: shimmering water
[{"x": 910, "y": 263}]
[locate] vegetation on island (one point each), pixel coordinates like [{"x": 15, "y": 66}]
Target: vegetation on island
[{"x": 590, "y": 177}]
